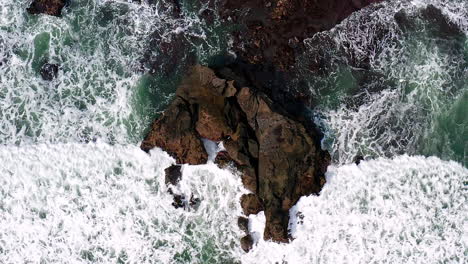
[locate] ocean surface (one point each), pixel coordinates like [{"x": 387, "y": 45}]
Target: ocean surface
[{"x": 76, "y": 188}]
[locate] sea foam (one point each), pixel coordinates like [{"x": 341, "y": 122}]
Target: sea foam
[
  {"x": 96, "y": 203},
  {"x": 400, "y": 210}
]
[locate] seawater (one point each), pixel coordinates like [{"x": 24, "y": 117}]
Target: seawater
[
  {"x": 421, "y": 76},
  {"x": 75, "y": 187}
]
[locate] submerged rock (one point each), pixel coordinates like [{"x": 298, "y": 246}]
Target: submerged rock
[
  {"x": 280, "y": 158},
  {"x": 272, "y": 31},
  {"x": 49, "y": 71},
  {"x": 49, "y": 7},
  {"x": 181, "y": 201},
  {"x": 358, "y": 159},
  {"x": 441, "y": 25}
]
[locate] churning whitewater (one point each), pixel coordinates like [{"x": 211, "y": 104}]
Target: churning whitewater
[{"x": 75, "y": 188}]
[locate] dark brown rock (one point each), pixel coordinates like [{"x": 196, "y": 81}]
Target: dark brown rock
[
  {"x": 222, "y": 159},
  {"x": 249, "y": 178},
  {"x": 243, "y": 223},
  {"x": 279, "y": 157},
  {"x": 174, "y": 132},
  {"x": 173, "y": 174},
  {"x": 49, "y": 7},
  {"x": 251, "y": 204},
  {"x": 287, "y": 154},
  {"x": 247, "y": 243},
  {"x": 211, "y": 124},
  {"x": 358, "y": 159},
  {"x": 277, "y": 222}
]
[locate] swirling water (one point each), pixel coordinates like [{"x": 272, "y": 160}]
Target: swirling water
[{"x": 75, "y": 188}]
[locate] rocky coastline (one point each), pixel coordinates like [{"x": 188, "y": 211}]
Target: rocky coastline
[{"x": 244, "y": 104}]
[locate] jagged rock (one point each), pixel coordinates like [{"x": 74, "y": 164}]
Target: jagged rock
[
  {"x": 249, "y": 178},
  {"x": 49, "y": 71},
  {"x": 247, "y": 243},
  {"x": 251, "y": 204},
  {"x": 178, "y": 201},
  {"x": 222, "y": 159},
  {"x": 49, "y": 7},
  {"x": 194, "y": 201},
  {"x": 173, "y": 174},
  {"x": 280, "y": 158},
  {"x": 174, "y": 132},
  {"x": 243, "y": 223},
  {"x": 287, "y": 154}
]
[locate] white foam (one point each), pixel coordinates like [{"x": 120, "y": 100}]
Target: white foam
[
  {"x": 67, "y": 203},
  {"x": 401, "y": 210}
]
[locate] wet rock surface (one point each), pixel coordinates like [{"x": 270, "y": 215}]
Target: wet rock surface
[
  {"x": 247, "y": 243},
  {"x": 280, "y": 157},
  {"x": 174, "y": 132},
  {"x": 251, "y": 204},
  {"x": 181, "y": 201},
  {"x": 48, "y": 7},
  {"x": 173, "y": 174},
  {"x": 243, "y": 223}
]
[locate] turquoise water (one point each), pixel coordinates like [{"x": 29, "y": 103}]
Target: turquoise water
[{"x": 75, "y": 187}]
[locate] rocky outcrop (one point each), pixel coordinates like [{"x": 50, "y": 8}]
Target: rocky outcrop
[
  {"x": 279, "y": 156},
  {"x": 48, "y": 7}
]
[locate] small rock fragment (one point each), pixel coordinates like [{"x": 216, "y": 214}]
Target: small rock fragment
[
  {"x": 358, "y": 159},
  {"x": 247, "y": 243},
  {"x": 243, "y": 223},
  {"x": 180, "y": 201},
  {"x": 173, "y": 174}
]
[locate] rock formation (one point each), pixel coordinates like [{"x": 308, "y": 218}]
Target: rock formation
[
  {"x": 49, "y": 7},
  {"x": 280, "y": 159},
  {"x": 248, "y": 105}
]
